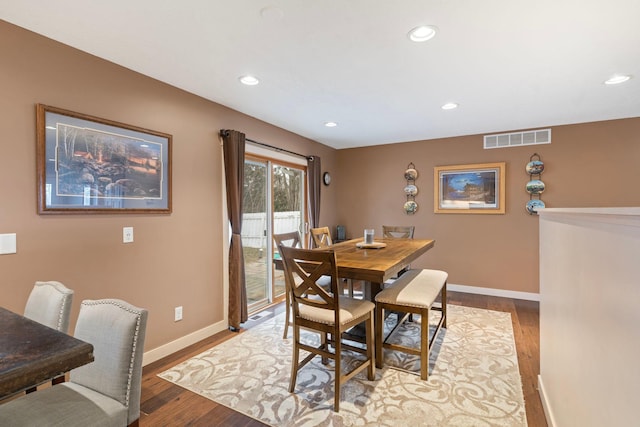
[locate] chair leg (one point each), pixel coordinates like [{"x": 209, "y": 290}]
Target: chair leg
[
  {"x": 324, "y": 343},
  {"x": 338, "y": 373},
  {"x": 371, "y": 348},
  {"x": 424, "y": 344},
  {"x": 444, "y": 304},
  {"x": 378, "y": 335},
  {"x": 294, "y": 359},
  {"x": 287, "y": 310}
]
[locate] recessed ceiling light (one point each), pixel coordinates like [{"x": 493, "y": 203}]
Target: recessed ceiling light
[
  {"x": 331, "y": 124},
  {"x": 617, "y": 79},
  {"x": 249, "y": 80},
  {"x": 422, "y": 33},
  {"x": 449, "y": 106}
]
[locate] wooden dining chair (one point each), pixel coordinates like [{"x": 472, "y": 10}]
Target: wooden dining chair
[
  {"x": 293, "y": 240},
  {"x": 105, "y": 392},
  {"x": 322, "y": 240},
  {"x": 398, "y": 231},
  {"x": 327, "y": 313},
  {"x": 321, "y": 237}
]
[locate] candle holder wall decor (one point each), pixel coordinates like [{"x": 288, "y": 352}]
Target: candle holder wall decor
[
  {"x": 535, "y": 187},
  {"x": 410, "y": 190}
]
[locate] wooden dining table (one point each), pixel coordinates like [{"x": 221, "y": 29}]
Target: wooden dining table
[
  {"x": 373, "y": 266},
  {"x": 32, "y": 353},
  {"x": 376, "y": 266}
]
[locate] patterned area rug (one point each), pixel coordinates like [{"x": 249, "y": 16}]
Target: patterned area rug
[{"x": 473, "y": 381}]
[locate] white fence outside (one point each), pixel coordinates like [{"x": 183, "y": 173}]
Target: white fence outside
[{"x": 255, "y": 224}]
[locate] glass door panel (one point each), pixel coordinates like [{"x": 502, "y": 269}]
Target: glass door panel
[
  {"x": 273, "y": 202},
  {"x": 255, "y": 214},
  {"x": 288, "y": 211}
]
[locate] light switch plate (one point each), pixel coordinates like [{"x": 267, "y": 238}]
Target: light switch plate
[
  {"x": 127, "y": 234},
  {"x": 7, "y": 243}
]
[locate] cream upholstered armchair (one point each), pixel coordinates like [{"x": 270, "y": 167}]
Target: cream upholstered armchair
[
  {"x": 49, "y": 303},
  {"x": 105, "y": 392}
]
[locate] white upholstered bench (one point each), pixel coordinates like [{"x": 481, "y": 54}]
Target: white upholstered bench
[{"x": 414, "y": 292}]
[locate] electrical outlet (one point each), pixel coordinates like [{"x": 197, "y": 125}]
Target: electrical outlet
[
  {"x": 177, "y": 314},
  {"x": 127, "y": 234}
]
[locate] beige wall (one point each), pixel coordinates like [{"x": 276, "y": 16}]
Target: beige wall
[
  {"x": 587, "y": 165},
  {"x": 178, "y": 259}
]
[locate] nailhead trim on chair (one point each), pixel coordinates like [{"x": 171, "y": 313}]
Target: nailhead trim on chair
[
  {"x": 61, "y": 312},
  {"x": 135, "y": 339}
]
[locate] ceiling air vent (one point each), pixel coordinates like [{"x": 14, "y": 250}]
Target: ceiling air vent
[{"x": 516, "y": 139}]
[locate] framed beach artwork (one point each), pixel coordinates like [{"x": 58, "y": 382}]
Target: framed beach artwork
[
  {"x": 470, "y": 189},
  {"x": 87, "y": 164}
]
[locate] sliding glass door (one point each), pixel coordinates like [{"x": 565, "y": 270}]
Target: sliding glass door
[{"x": 274, "y": 201}]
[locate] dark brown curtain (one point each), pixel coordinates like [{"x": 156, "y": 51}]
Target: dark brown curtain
[
  {"x": 233, "y": 144},
  {"x": 314, "y": 183}
]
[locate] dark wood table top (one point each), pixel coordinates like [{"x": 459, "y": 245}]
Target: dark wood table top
[{"x": 31, "y": 353}]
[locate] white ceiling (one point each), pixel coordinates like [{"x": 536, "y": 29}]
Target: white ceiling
[{"x": 510, "y": 64}]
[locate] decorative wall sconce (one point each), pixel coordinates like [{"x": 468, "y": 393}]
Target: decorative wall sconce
[
  {"x": 411, "y": 174},
  {"x": 535, "y": 187}
]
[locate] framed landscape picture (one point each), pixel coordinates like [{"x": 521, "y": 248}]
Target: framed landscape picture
[
  {"x": 87, "y": 164},
  {"x": 474, "y": 189}
]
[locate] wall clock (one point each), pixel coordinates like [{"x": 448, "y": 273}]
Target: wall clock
[{"x": 326, "y": 178}]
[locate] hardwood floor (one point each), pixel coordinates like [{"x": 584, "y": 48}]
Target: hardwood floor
[{"x": 165, "y": 404}]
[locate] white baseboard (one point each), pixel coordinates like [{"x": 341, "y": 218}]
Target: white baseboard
[
  {"x": 182, "y": 342},
  {"x": 529, "y": 296},
  {"x": 545, "y": 403}
]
